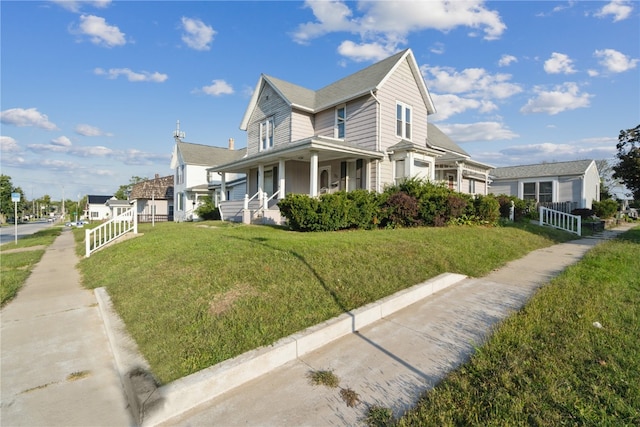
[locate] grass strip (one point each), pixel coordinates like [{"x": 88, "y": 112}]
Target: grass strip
[
  {"x": 15, "y": 268},
  {"x": 570, "y": 357},
  {"x": 195, "y": 294}
]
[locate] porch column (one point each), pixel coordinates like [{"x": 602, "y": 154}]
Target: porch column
[
  {"x": 486, "y": 183},
  {"x": 260, "y": 180},
  {"x": 313, "y": 174},
  {"x": 459, "y": 173},
  {"x": 281, "y": 181},
  {"x": 223, "y": 187}
]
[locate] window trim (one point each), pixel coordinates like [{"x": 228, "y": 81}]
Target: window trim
[
  {"x": 406, "y": 128},
  {"x": 340, "y": 121},
  {"x": 267, "y": 133}
]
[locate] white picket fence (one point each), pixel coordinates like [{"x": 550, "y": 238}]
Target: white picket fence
[
  {"x": 126, "y": 222},
  {"x": 561, "y": 220}
]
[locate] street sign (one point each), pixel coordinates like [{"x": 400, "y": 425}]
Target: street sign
[{"x": 15, "y": 197}]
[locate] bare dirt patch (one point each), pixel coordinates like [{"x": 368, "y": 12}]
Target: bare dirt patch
[{"x": 223, "y": 302}]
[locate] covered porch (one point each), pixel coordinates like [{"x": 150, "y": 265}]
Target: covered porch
[
  {"x": 463, "y": 175},
  {"x": 312, "y": 166}
]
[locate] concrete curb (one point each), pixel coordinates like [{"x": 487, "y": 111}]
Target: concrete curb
[{"x": 188, "y": 392}]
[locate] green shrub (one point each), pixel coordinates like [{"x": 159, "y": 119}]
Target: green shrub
[
  {"x": 300, "y": 211},
  {"x": 487, "y": 209},
  {"x": 366, "y": 211},
  {"x": 208, "y": 210},
  {"x": 605, "y": 208},
  {"x": 519, "y": 205}
]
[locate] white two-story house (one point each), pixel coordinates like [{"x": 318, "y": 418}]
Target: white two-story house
[
  {"x": 365, "y": 131},
  {"x": 192, "y": 180}
]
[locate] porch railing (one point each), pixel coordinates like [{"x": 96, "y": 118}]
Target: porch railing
[
  {"x": 566, "y": 207},
  {"x": 96, "y": 238},
  {"x": 561, "y": 220}
]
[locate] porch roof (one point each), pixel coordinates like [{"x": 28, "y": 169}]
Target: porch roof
[{"x": 327, "y": 149}]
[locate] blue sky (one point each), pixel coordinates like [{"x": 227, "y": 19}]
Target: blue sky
[{"x": 91, "y": 90}]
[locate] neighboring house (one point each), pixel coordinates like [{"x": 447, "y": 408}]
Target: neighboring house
[
  {"x": 365, "y": 131},
  {"x": 574, "y": 184},
  {"x": 97, "y": 209},
  {"x": 117, "y": 207},
  {"x": 155, "y": 199},
  {"x": 192, "y": 179}
]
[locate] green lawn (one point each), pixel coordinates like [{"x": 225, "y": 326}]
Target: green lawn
[
  {"x": 551, "y": 364},
  {"x": 195, "y": 294}
]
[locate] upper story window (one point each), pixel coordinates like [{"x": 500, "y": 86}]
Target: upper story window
[
  {"x": 180, "y": 174},
  {"x": 403, "y": 120},
  {"x": 341, "y": 119},
  {"x": 266, "y": 134}
]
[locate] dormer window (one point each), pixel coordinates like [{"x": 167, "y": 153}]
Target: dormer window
[
  {"x": 266, "y": 134},
  {"x": 403, "y": 121},
  {"x": 341, "y": 119}
]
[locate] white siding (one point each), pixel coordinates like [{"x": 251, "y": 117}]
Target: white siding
[
  {"x": 509, "y": 188},
  {"x": 591, "y": 186}
]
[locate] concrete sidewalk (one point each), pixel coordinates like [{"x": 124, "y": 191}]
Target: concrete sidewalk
[
  {"x": 57, "y": 366},
  {"x": 65, "y": 361}
]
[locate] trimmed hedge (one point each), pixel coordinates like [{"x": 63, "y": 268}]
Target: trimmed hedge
[{"x": 412, "y": 203}]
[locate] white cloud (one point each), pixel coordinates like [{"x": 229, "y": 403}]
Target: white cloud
[
  {"x": 76, "y": 5},
  {"x": 559, "y": 63},
  {"x": 480, "y": 131},
  {"x": 132, "y": 76},
  {"x": 386, "y": 24},
  {"x": 217, "y": 88},
  {"x": 26, "y": 117},
  {"x": 61, "y": 141},
  {"x": 615, "y": 61},
  {"x": 449, "y": 105},
  {"x": 38, "y": 148},
  {"x": 475, "y": 82},
  {"x": 88, "y": 130},
  {"x": 100, "y": 32},
  {"x": 365, "y": 51},
  {"x": 506, "y": 60},
  {"x": 197, "y": 34},
  {"x": 563, "y": 98},
  {"x": 620, "y": 9},
  {"x": 8, "y": 145}
]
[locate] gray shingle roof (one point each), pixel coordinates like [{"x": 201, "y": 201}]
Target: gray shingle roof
[
  {"x": 437, "y": 138},
  {"x": 577, "y": 167},
  {"x": 97, "y": 200},
  {"x": 350, "y": 87},
  {"x": 207, "y": 155}
]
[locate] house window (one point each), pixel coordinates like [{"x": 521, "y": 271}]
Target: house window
[
  {"x": 399, "y": 170},
  {"x": 94, "y": 214},
  {"x": 341, "y": 119},
  {"x": 545, "y": 192},
  {"x": 403, "y": 121},
  {"x": 180, "y": 174},
  {"x": 266, "y": 134},
  {"x": 472, "y": 186},
  {"x": 529, "y": 191},
  {"x": 541, "y": 192}
]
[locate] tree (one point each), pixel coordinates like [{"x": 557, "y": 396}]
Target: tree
[
  {"x": 628, "y": 168},
  {"x": 124, "y": 190}
]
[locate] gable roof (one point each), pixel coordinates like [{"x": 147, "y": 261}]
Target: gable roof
[
  {"x": 206, "y": 155},
  {"x": 578, "y": 167},
  {"x": 97, "y": 200},
  {"x": 367, "y": 80},
  {"x": 158, "y": 188},
  {"x": 438, "y": 139}
]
